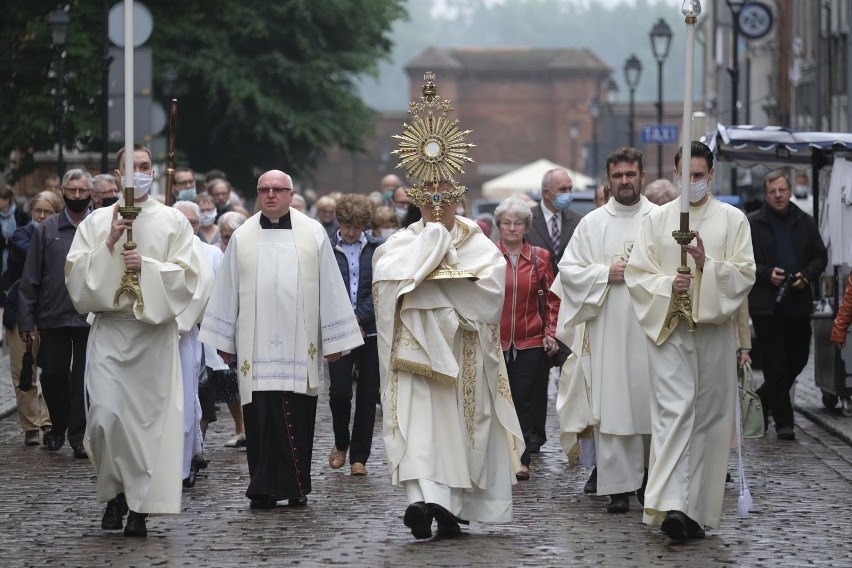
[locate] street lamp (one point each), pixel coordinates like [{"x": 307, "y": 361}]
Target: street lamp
[
  {"x": 58, "y": 21},
  {"x": 736, "y": 7},
  {"x": 661, "y": 41},
  {"x": 574, "y": 133},
  {"x": 596, "y": 114},
  {"x": 632, "y": 72}
]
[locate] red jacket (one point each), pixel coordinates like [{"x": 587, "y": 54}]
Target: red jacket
[{"x": 521, "y": 322}]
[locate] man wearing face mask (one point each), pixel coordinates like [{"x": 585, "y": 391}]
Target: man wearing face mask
[
  {"x": 134, "y": 434},
  {"x": 401, "y": 202},
  {"x": 693, "y": 372},
  {"x": 44, "y": 304},
  {"x": 104, "y": 191},
  {"x": 553, "y": 223},
  {"x": 184, "y": 184}
]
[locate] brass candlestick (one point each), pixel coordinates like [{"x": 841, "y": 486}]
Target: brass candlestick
[
  {"x": 130, "y": 280},
  {"x": 682, "y": 303}
]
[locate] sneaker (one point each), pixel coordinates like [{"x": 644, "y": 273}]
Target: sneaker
[
  {"x": 238, "y": 441},
  {"x": 32, "y": 438}
]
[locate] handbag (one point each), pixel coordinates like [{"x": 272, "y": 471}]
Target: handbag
[
  {"x": 558, "y": 358},
  {"x": 750, "y": 406}
]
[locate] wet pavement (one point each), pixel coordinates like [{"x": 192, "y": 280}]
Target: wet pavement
[{"x": 49, "y": 516}]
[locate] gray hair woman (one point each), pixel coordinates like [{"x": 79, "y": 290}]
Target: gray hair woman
[
  {"x": 528, "y": 321},
  {"x": 228, "y": 223}
]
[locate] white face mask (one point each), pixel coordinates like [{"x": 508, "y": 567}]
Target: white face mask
[
  {"x": 386, "y": 232},
  {"x": 401, "y": 212},
  {"x": 697, "y": 190},
  {"x": 141, "y": 184},
  {"x": 206, "y": 218}
]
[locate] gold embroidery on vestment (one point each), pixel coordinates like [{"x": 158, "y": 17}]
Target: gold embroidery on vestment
[
  {"x": 312, "y": 351},
  {"x": 245, "y": 367},
  {"x": 503, "y": 388},
  {"x": 469, "y": 341}
]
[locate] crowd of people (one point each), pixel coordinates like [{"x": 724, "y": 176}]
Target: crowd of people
[{"x": 247, "y": 310}]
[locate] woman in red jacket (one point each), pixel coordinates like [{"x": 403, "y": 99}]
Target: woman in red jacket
[{"x": 530, "y": 309}]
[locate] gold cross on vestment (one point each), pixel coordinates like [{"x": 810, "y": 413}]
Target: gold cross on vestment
[
  {"x": 245, "y": 367},
  {"x": 312, "y": 351}
]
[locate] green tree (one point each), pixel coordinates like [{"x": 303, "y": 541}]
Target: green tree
[{"x": 260, "y": 84}]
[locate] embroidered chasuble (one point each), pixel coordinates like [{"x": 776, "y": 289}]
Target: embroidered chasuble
[
  {"x": 133, "y": 378},
  {"x": 450, "y": 428},
  {"x": 693, "y": 374}
]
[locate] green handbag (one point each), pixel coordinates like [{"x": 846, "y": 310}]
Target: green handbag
[{"x": 750, "y": 406}]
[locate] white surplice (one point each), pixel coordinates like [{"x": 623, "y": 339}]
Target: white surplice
[
  {"x": 693, "y": 373},
  {"x": 450, "y": 428},
  {"x": 274, "y": 286},
  {"x": 133, "y": 379},
  {"x": 614, "y": 356}
]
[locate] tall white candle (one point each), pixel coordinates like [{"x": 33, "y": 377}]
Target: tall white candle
[
  {"x": 128, "y": 92},
  {"x": 690, "y": 12}
]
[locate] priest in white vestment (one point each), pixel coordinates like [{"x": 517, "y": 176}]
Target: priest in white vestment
[
  {"x": 191, "y": 353},
  {"x": 133, "y": 379},
  {"x": 614, "y": 356},
  {"x": 693, "y": 373},
  {"x": 279, "y": 306}
]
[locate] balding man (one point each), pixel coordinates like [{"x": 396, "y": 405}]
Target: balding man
[{"x": 278, "y": 318}]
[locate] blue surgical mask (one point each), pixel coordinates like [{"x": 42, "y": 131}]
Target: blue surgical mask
[
  {"x": 186, "y": 195},
  {"x": 563, "y": 201}
]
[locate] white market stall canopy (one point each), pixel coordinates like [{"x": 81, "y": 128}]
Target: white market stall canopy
[
  {"x": 528, "y": 178},
  {"x": 773, "y": 146}
]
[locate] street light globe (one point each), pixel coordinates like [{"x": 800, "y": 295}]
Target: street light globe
[
  {"x": 661, "y": 40},
  {"x": 632, "y": 71},
  {"x": 611, "y": 91},
  {"x": 58, "y": 21}
]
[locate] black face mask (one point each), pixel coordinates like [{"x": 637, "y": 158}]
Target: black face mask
[
  {"x": 76, "y": 205},
  {"x": 108, "y": 201}
]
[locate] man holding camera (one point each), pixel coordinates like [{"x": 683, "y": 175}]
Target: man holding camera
[{"x": 790, "y": 257}]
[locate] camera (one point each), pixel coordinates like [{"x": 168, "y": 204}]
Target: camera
[{"x": 784, "y": 288}]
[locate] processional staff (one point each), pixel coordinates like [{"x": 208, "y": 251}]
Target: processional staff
[
  {"x": 170, "y": 155},
  {"x": 682, "y": 304}
]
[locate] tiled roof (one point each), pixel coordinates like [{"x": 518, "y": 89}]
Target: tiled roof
[{"x": 508, "y": 59}]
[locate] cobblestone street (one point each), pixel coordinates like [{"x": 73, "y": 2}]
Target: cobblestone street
[{"x": 49, "y": 516}]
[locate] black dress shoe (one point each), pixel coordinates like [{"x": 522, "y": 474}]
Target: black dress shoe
[
  {"x": 619, "y": 503},
  {"x": 418, "y": 518},
  {"x": 674, "y": 525},
  {"x": 298, "y": 501},
  {"x": 693, "y": 529},
  {"x": 53, "y": 442},
  {"x": 448, "y": 523},
  {"x": 113, "y": 519},
  {"x": 591, "y": 485},
  {"x": 786, "y": 433},
  {"x": 263, "y": 502},
  {"x": 79, "y": 452},
  {"x": 136, "y": 524},
  {"x": 640, "y": 493},
  {"x": 189, "y": 480}
]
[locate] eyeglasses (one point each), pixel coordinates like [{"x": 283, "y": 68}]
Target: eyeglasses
[
  {"x": 272, "y": 190},
  {"x": 509, "y": 224},
  {"x": 76, "y": 190},
  {"x": 46, "y": 212}
]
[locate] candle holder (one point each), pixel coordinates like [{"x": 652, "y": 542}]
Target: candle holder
[
  {"x": 681, "y": 307},
  {"x": 130, "y": 280}
]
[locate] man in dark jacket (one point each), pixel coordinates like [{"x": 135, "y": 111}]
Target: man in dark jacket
[
  {"x": 354, "y": 249},
  {"x": 44, "y": 303},
  {"x": 790, "y": 257}
]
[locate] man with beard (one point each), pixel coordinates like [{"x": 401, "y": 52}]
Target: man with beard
[
  {"x": 613, "y": 352},
  {"x": 44, "y": 304}
]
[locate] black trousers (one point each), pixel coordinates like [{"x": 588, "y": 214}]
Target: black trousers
[
  {"x": 62, "y": 358},
  {"x": 528, "y": 370},
  {"x": 784, "y": 343},
  {"x": 366, "y": 360}
]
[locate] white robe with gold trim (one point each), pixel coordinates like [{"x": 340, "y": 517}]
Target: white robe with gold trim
[
  {"x": 133, "y": 379},
  {"x": 694, "y": 374},
  {"x": 450, "y": 428}
]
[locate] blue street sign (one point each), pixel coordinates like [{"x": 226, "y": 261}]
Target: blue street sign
[{"x": 660, "y": 134}]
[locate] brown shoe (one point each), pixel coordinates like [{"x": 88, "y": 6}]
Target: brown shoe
[
  {"x": 336, "y": 459},
  {"x": 358, "y": 468}
]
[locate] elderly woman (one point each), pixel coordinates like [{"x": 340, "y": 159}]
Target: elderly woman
[
  {"x": 660, "y": 191},
  {"x": 384, "y": 222},
  {"x": 32, "y": 411},
  {"x": 530, "y": 309},
  {"x": 209, "y": 231}
]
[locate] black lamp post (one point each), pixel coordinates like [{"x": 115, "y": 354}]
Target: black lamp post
[
  {"x": 736, "y": 7},
  {"x": 58, "y": 21},
  {"x": 632, "y": 72},
  {"x": 661, "y": 41}
]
